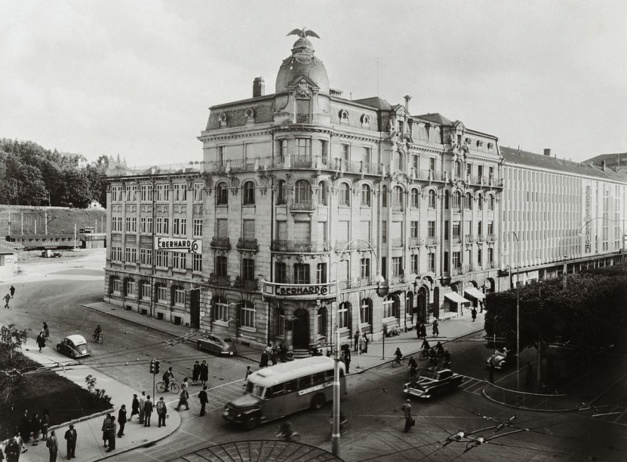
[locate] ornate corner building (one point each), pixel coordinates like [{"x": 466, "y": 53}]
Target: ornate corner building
[{"x": 311, "y": 211}]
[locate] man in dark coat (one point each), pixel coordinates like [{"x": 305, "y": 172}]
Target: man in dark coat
[
  {"x": 264, "y": 360},
  {"x": 356, "y": 340},
  {"x": 204, "y": 372},
  {"x": 122, "y": 420},
  {"x": 12, "y": 450},
  {"x": 25, "y": 426},
  {"x": 111, "y": 429},
  {"x": 53, "y": 446},
  {"x": 162, "y": 412},
  {"x": 12, "y": 290},
  {"x": 147, "y": 411},
  {"x": 202, "y": 396},
  {"x": 134, "y": 406},
  {"x": 70, "y": 437},
  {"x": 195, "y": 373}
]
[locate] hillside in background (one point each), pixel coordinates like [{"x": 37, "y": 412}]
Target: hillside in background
[{"x": 16, "y": 220}]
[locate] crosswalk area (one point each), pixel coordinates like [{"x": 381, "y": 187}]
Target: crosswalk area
[{"x": 610, "y": 413}]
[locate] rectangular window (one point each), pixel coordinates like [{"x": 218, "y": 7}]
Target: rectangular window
[
  {"x": 414, "y": 264},
  {"x": 345, "y": 153},
  {"x": 480, "y": 256},
  {"x": 247, "y": 316},
  {"x": 248, "y": 230},
  {"x": 221, "y": 154},
  {"x": 198, "y": 187},
  {"x": 414, "y": 230},
  {"x": 162, "y": 294},
  {"x": 176, "y": 226},
  {"x": 179, "y": 260},
  {"x": 161, "y": 258},
  {"x": 117, "y": 286},
  {"x": 431, "y": 229},
  {"x": 280, "y": 273},
  {"x": 446, "y": 230},
  {"x": 221, "y": 312},
  {"x": 367, "y": 157},
  {"x": 342, "y": 316},
  {"x": 145, "y": 256},
  {"x": 301, "y": 273},
  {"x": 364, "y": 268},
  {"x": 456, "y": 230},
  {"x": 397, "y": 266},
  {"x": 221, "y": 266},
  {"x": 457, "y": 260},
  {"x": 384, "y": 231},
  {"x": 248, "y": 269},
  {"x": 197, "y": 227},
  {"x": 303, "y": 147},
  {"x": 321, "y": 273},
  {"x": 197, "y": 263},
  {"x": 490, "y": 255},
  {"x": 431, "y": 262},
  {"x": 179, "y": 297},
  {"x": 146, "y": 292},
  {"x": 146, "y": 192},
  {"x": 388, "y": 309},
  {"x": 479, "y": 228},
  {"x": 432, "y": 164},
  {"x": 490, "y": 228}
]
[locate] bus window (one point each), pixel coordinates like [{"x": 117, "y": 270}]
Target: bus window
[
  {"x": 291, "y": 386},
  {"x": 254, "y": 389},
  {"x": 318, "y": 379},
  {"x": 275, "y": 391},
  {"x": 329, "y": 375}
]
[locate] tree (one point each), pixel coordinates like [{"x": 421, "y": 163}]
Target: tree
[{"x": 11, "y": 340}]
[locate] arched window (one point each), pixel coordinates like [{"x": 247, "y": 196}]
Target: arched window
[
  {"x": 323, "y": 193},
  {"x": 457, "y": 201},
  {"x": 366, "y": 195},
  {"x": 397, "y": 198},
  {"x": 365, "y": 311},
  {"x": 415, "y": 198},
  {"x": 247, "y": 314},
  {"x": 468, "y": 204},
  {"x": 281, "y": 193},
  {"x": 345, "y": 194},
  {"x": 222, "y": 194},
  {"x": 432, "y": 199},
  {"x": 248, "y": 193},
  {"x": 302, "y": 192}
]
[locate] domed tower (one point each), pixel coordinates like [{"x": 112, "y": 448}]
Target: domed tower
[{"x": 304, "y": 78}]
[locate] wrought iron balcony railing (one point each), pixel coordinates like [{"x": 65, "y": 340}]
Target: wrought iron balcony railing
[
  {"x": 219, "y": 281},
  {"x": 303, "y": 205},
  {"x": 288, "y": 245},
  {"x": 221, "y": 243},
  {"x": 248, "y": 244}
]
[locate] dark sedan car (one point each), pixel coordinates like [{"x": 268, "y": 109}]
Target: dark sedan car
[
  {"x": 74, "y": 346},
  {"x": 433, "y": 383},
  {"x": 217, "y": 344}
]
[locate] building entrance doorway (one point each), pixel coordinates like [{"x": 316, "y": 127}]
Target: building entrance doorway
[{"x": 301, "y": 329}]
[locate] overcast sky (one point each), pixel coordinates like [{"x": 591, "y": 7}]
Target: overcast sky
[{"x": 136, "y": 78}]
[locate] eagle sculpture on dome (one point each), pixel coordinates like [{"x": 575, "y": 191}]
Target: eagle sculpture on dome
[{"x": 304, "y": 33}]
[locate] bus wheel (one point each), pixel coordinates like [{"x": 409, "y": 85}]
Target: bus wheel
[
  {"x": 251, "y": 422},
  {"x": 317, "y": 402}
]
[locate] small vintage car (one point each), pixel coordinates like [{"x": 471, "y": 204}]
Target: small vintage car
[
  {"x": 217, "y": 344},
  {"x": 502, "y": 359},
  {"x": 431, "y": 383},
  {"x": 74, "y": 346}
]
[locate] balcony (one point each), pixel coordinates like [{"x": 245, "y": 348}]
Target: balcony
[
  {"x": 456, "y": 239},
  {"x": 456, "y": 271},
  {"x": 416, "y": 242},
  {"x": 221, "y": 243},
  {"x": 288, "y": 245},
  {"x": 246, "y": 284},
  {"x": 219, "y": 281},
  {"x": 397, "y": 242},
  {"x": 249, "y": 245},
  {"x": 432, "y": 241},
  {"x": 491, "y": 237},
  {"x": 479, "y": 238},
  {"x": 302, "y": 206}
]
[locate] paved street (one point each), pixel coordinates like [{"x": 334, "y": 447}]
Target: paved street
[{"x": 67, "y": 295}]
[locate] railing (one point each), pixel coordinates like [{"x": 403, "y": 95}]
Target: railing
[
  {"x": 479, "y": 238},
  {"x": 248, "y": 244},
  {"x": 491, "y": 238},
  {"x": 397, "y": 242},
  {"x": 283, "y": 245},
  {"x": 416, "y": 242},
  {"x": 307, "y": 206},
  {"x": 246, "y": 284},
  {"x": 432, "y": 241},
  {"x": 426, "y": 175},
  {"x": 221, "y": 243},
  {"x": 303, "y": 119},
  {"x": 456, "y": 240},
  {"x": 222, "y": 281},
  {"x": 534, "y": 401},
  {"x": 455, "y": 271},
  {"x": 183, "y": 167},
  {"x": 397, "y": 208}
]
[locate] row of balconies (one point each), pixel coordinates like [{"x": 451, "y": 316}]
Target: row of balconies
[{"x": 340, "y": 165}]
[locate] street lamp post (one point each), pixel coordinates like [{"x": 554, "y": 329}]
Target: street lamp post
[
  {"x": 335, "y": 436},
  {"x": 517, "y": 312}
]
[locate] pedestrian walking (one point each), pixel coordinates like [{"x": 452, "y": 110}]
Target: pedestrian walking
[
  {"x": 7, "y": 297},
  {"x": 346, "y": 357},
  {"x": 365, "y": 339},
  {"x": 264, "y": 360},
  {"x": 409, "y": 420},
  {"x": 183, "y": 397},
  {"x": 35, "y": 428},
  {"x": 134, "y": 406},
  {"x": 436, "y": 330},
  {"x": 25, "y": 426},
  {"x": 46, "y": 331},
  {"x": 195, "y": 373},
  {"x": 70, "y": 438},
  {"x": 122, "y": 420},
  {"x": 204, "y": 372},
  {"x": 111, "y": 430},
  {"x": 473, "y": 313},
  {"x": 142, "y": 401},
  {"x": 162, "y": 412},
  {"x": 45, "y": 424},
  {"x": 12, "y": 290},
  {"x": 202, "y": 396},
  {"x": 12, "y": 450},
  {"x": 53, "y": 446},
  {"x": 147, "y": 411},
  {"x": 41, "y": 341},
  {"x": 105, "y": 426},
  {"x": 248, "y": 372},
  {"x": 356, "y": 341}
]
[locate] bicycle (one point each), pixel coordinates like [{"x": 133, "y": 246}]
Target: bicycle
[
  {"x": 174, "y": 387},
  {"x": 98, "y": 338},
  {"x": 397, "y": 362}
]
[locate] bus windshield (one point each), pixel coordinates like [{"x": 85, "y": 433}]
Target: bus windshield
[{"x": 254, "y": 389}]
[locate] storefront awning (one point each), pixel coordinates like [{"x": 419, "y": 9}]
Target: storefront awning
[
  {"x": 475, "y": 293},
  {"x": 455, "y": 297}
]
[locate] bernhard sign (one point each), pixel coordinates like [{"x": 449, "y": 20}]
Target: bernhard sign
[{"x": 178, "y": 245}]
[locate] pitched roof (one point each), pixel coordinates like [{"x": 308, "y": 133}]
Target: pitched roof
[
  {"x": 518, "y": 157},
  {"x": 608, "y": 158},
  {"x": 375, "y": 102},
  {"x": 437, "y": 118}
]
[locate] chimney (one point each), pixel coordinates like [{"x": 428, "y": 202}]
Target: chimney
[
  {"x": 603, "y": 165},
  {"x": 259, "y": 87},
  {"x": 407, "y": 99},
  {"x": 547, "y": 152}
]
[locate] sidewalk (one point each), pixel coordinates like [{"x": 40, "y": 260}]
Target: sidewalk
[{"x": 89, "y": 446}]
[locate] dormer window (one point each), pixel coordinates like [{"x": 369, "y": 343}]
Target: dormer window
[
  {"x": 222, "y": 119},
  {"x": 344, "y": 116},
  {"x": 250, "y": 115},
  {"x": 365, "y": 121},
  {"x": 467, "y": 141},
  {"x": 479, "y": 143},
  {"x": 490, "y": 146}
]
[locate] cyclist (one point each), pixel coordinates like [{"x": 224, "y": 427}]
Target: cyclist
[
  {"x": 413, "y": 367},
  {"x": 97, "y": 333},
  {"x": 425, "y": 348},
  {"x": 167, "y": 377},
  {"x": 398, "y": 356},
  {"x": 286, "y": 432}
]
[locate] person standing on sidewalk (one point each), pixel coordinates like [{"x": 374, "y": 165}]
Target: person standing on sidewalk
[
  {"x": 147, "y": 411},
  {"x": 142, "y": 401},
  {"x": 202, "y": 396},
  {"x": 7, "y": 297},
  {"x": 53, "y": 446},
  {"x": 12, "y": 450},
  {"x": 111, "y": 429},
  {"x": 41, "y": 341},
  {"x": 105, "y": 424},
  {"x": 46, "y": 331},
  {"x": 12, "y": 290},
  {"x": 436, "y": 329},
  {"x": 70, "y": 437},
  {"x": 122, "y": 420},
  {"x": 409, "y": 420},
  {"x": 473, "y": 313},
  {"x": 204, "y": 372},
  {"x": 195, "y": 373},
  {"x": 45, "y": 424},
  {"x": 162, "y": 412},
  {"x": 356, "y": 341}
]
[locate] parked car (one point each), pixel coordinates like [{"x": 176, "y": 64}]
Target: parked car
[
  {"x": 502, "y": 359},
  {"x": 51, "y": 254},
  {"x": 217, "y": 344},
  {"x": 74, "y": 346},
  {"x": 433, "y": 383}
]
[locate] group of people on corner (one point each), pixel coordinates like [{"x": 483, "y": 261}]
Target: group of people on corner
[{"x": 273, "y": 354}]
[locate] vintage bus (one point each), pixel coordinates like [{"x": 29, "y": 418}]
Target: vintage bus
[{"x": 277, "y": 391}]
